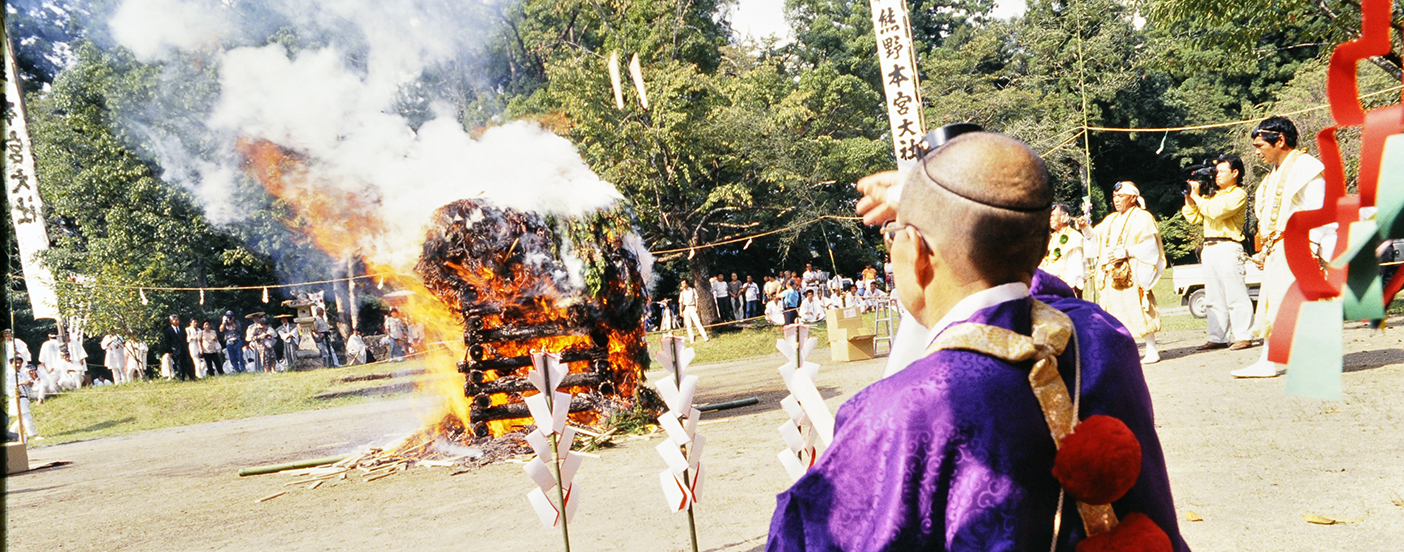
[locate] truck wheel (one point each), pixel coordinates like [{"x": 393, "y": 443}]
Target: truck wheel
[{"x": 1198, "y": 304}]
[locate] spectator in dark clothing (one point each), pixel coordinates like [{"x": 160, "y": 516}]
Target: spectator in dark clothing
[{"x": 174, "y": 343}]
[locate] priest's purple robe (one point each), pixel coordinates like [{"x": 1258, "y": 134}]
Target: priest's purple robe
[{"x": 953, "y": 453}]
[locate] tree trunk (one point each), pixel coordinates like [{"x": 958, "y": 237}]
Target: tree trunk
[
  {"x": 346, "y": 297},
  {"x": 697, "y": 276}
]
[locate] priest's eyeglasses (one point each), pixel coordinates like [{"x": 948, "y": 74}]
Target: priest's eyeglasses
[{"x": 890, "y": 230}]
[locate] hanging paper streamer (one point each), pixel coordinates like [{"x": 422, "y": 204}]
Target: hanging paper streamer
[
  {"x": 809, "y": 416},
  {"x": 265, "y": 295},
  {"x": 202, "y": 297},
  {"x": 682, "y": 450},
  {"x": 1351, "y": 286},
  {"x": 636, "y": 72},
  {"x": 142, "y": 293},
  {"x": 381, "y": 283},
  {"x": 1315, "y": 370},
  {"x": 614, "y": 80},
  {"x": 554, "y": 467}
]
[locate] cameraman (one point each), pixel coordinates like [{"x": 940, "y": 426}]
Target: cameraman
[{"x": 1223, "y": 213}]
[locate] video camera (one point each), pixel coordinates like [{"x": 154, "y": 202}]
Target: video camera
[{"x": 1204, "y": 174}]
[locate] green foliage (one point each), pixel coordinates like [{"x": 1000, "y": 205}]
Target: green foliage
[
  {"x": 112, "y": 221},
  {"x": 734, "y": 142},
  {"x": 1180, "y": 239}
]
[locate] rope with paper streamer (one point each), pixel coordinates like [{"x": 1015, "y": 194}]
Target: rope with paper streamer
[{"x": 1350, "y": 286}]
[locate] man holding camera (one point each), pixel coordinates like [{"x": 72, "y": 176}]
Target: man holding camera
[
  {"x": 1221, "y": 206},
  {"x": 1295, "y": 184}
]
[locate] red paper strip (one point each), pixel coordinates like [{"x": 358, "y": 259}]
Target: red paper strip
[
  {"x": 1379, "y": 125},
  {"x": 1280, "y": 342}
]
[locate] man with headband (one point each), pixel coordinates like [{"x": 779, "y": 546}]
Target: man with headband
[
  {"x": 955, "y": 450},
  {"x": 1295, "y": 184},
  {"x": 1130, "y": 259}
]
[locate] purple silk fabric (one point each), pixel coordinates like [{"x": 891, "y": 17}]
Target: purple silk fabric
[{"x": 953, "y": 453}]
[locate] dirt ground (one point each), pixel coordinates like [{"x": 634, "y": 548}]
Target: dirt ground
[{"x": 1247, "y": 458}]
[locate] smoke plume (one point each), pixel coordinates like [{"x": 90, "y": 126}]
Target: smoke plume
[{"x": 331, "y": 96}]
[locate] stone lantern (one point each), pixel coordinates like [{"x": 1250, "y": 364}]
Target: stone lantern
[{"x": 308, "y": 356}]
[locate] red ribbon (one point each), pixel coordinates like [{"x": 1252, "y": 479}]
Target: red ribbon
[{"x": 1343, "y": 91}]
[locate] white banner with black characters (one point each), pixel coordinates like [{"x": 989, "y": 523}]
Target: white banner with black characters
[
  {"x": 899, "y": 78},
  {"x": 26, "y": 209}
]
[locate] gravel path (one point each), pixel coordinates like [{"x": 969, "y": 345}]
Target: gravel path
[{"x": 1247, "y": 458}]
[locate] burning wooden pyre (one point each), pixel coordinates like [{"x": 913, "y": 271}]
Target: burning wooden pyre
[{"x": 523, "y": 281}]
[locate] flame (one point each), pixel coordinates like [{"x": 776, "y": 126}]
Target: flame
[{"x": 331, "y": 210}]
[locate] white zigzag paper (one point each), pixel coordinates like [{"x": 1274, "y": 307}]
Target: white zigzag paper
[
  {"x": 809, "y": 416},
  {"x": 680, "y": 423},
  {"x": 550, "y": 418}
]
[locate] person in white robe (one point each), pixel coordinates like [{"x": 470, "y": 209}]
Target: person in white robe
[
  {"x": 26, "y": 376},
  {"x": 115, "y": 358},
  {"x": 192, "y": 344},
  {"x": 14, "y": 348},
  {"x": 774, "y": 312},
  {"x": 1128, "y": 239},
  {"x": 1294, "y": 185},
  {"x": 356, "y": 348},
  {"x": 71, "y": 373},
  {"x": 136, "y": 360},
  {"x": 811, "y": 308},
  {"x": 1065, "y": 255},
  {"x": 51, "y": 365}
]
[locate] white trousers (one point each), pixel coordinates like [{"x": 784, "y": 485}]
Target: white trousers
[
  {"x": 690, "y": 319},
  {"x": 1230, "y": 309},
  {"x": 25, "y": 417}
]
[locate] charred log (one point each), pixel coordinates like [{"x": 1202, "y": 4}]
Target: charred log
[
  {"x": 509, "y": 411},
  {"x": 512, "y": 363},
  {"x": 525, "y": 333},
  {"x": 517, "y": 384}
]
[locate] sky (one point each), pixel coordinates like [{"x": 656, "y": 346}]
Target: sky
[{"x": 761, "y": 18}]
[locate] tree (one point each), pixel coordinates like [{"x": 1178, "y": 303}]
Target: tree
[
  {"x": 1245, "y": 26},
  {"x": 734, "y": 142},
  {"x": 112, "y": 221}
]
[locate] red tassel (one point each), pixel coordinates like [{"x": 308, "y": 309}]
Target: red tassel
[
  {"x": 1099, "y": 461},
  {"x": 1135, "y": 533}
]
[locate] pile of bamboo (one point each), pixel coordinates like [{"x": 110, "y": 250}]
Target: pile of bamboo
[{"x": 377, "y": 463}]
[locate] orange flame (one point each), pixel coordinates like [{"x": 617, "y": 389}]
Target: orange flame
[{"x": 333, "y": 212}]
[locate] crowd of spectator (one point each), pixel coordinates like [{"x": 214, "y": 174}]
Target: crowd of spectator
[{"x": 778, "y": 299}]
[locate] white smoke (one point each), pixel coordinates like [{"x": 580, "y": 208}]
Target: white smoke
[
  {"x": 343, "y": 118},
  {"x": 153, "y": 29}
]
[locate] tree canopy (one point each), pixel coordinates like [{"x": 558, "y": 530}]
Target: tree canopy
[{"x": 739, "y": 138}]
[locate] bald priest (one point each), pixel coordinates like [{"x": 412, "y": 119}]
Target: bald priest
[{"x": 1026, "y": 426}]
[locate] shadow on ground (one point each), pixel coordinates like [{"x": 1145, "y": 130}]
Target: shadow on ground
[
  {"x": 1369, "y": 360},
  {"x": 769, "y": 400},
  {"x": 100, "y": 426}
]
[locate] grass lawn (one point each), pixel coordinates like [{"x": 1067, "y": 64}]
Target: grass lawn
[
  {"x": 115, "y": 410},
  {"x": 110, "y": 410}
]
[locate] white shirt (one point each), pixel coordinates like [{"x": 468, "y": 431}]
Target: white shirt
[
  {"x": 811, "y": 310},
  {"x": 752, "y": 291},
  {"x": 907, "y": 348}
]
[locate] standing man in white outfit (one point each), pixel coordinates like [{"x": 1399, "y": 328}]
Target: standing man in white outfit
[
  {"x": 1295, "y": 184},
  {"x": 687, "y": 299}
]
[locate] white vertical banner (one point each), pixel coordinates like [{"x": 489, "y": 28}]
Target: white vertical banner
[
  {"x": 26, "y": 209},
  {"x": 899, "y": 78}
]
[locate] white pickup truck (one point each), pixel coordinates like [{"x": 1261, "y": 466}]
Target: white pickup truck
[{"x": 1189, "y": 284}]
